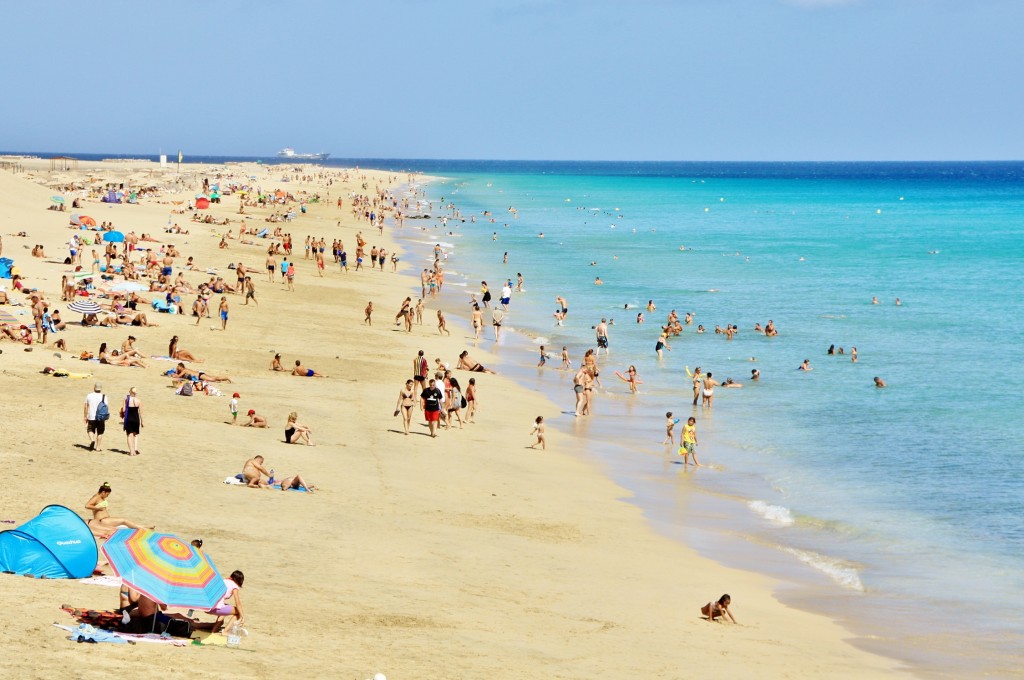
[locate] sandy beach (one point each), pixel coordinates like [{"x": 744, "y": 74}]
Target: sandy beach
[{"x": 465, "y": 556}]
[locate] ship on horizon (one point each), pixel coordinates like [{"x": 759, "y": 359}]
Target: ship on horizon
[{"x": 290, "y": 154}]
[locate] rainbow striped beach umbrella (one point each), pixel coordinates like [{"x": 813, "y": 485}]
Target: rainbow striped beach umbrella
[{"x": 164, "y": 568}]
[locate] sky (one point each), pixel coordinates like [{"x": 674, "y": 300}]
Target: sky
[{"x": 520, "y": 79}]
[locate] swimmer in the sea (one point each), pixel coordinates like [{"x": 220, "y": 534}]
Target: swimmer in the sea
[
  {"x": 879, "y": 382},
  {"x": 805, "y": 366}
]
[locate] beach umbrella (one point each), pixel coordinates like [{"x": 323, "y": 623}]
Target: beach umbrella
[
  {"x": 57, "y": 199},
  {"x": 113, "y": 237},
  {"x": 85, "y": 307},
  {"x": 84, "y": 275},
  {"x": 164, "y": 568},
  {"x": 129, "y": 287},
  {"x": 75, "y": 219},
  {"x": 85, "y": 219},
  {"x": 202, "y": 203}
]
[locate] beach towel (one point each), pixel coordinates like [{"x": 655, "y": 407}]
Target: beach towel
[
  {"x": 100, "y": 619},
  {"x": 86, "y": 633},
  {"x": 107, "y": 580},
  {"x": 301, "y": 489},
  {"x": 132, "y": 638}
]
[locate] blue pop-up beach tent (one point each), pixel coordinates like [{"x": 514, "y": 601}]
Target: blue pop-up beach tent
[{"x": 57, "y": 543}]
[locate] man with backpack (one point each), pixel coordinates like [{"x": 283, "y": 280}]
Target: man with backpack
[{"x": 96, "y": 413}]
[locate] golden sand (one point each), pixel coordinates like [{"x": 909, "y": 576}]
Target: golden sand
[{"x": 465, "y": 556}]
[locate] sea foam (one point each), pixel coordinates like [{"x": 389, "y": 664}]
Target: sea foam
[{"x": 776, "y": 514}]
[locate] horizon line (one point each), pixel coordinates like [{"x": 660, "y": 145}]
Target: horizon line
[{"x": 510, "y": 160}]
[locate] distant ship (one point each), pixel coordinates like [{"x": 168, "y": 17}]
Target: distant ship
[{"x": 290, "y": 154}]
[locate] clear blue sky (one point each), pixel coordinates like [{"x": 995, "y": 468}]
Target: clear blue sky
[{"x": 520, "y": 79}]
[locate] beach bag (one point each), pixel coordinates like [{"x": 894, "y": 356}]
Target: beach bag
[
  {"x": 464, "y": 402},
  {"x": 186, "y": 389},
  {"x": 102, "y": 411}
]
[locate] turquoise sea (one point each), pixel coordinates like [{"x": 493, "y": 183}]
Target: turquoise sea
[{"x": 900, "y": 510}]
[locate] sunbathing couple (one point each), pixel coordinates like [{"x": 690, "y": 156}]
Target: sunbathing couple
[
  {"x": 253, "y": 471},
  {"x": 299, "y": 370}
]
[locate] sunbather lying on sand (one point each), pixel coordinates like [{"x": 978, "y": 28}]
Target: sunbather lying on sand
[{"x": 182, "y": 373}]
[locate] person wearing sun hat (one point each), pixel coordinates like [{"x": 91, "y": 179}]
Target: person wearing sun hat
[{"x": 256, "y": 420}]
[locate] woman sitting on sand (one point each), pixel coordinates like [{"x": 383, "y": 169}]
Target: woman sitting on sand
[
  {"x": 231, "y": 611},
  {"x": 275, "y": 365},
  {"x": 180, "y": 354},
  {"x": 294, "y": 432},
  {"x": 718, "y": 610},
  {"x": 467, "y": 364},
  {"x": 115, "y": 359},
  {"x": 102, "y": 524}
]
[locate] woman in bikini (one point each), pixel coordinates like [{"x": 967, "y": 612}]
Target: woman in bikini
[
  {"x": 115, "y": 359},
  {"x": 180, "y": 354},
  {"x": 297, "y": 482},
  {"x": 405, "y": 404},
  {"x": 102, "y": 524},
  {"x": 294, "y": 432},
  {"x": 467, "y": 364},
  {"x": 471, "y": 400}
]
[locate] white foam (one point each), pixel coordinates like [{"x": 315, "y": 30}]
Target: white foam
[
  {"x": 776, "y": 514},
  {"x": 839, "y": 571},
  {"x": 540, "y": 340}
]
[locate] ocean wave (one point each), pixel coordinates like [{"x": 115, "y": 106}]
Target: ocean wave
[
  {"x": 776, "y": 514},
  {"x": 841, "y": 572}
]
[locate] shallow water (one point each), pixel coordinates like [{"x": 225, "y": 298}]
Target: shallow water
[{"x": 908, "y": 498}]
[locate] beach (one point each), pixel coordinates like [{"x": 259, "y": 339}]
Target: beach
[{"x": 464, "y": 556}]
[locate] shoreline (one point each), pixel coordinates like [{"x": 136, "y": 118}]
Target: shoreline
[
  {"x": 736, "y": 534},
  {"x": 416, "y": 549}
]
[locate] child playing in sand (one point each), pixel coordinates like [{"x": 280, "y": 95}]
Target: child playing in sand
[
  {"x": 256, "y": 420},
  {"x": 670, "y": 424},
  {"x": 688, "y": 443},
  {"x": 718, "y": 609},
  {"x": 369, "y": 312},
  {"x": 538, "y": 430}
]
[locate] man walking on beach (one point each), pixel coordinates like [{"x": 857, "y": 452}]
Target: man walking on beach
[
  {"x": 94, "y": 426},
  {"x": 430, "y": 403}
]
